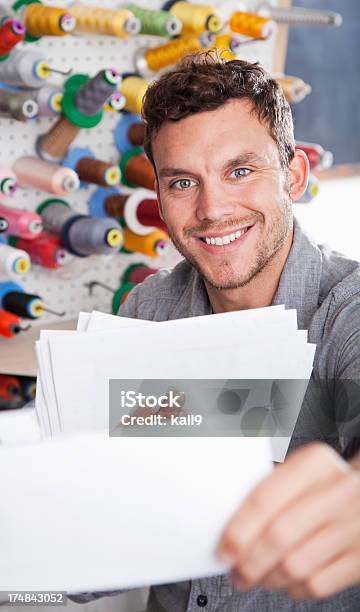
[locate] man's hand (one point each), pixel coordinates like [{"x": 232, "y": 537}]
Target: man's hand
[{"x": 299, "y": 529}]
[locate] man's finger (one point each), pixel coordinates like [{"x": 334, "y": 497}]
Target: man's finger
[
  {"x": 342, "y": 573},
  {"x": 283, "y": 486},
  {"x": 298, "y": 523}
]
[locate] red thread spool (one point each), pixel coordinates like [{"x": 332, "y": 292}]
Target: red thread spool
[
  {"x": 10, "y": 388},
  {"x": 148, "y": 214},
  {"x": 139, "y": 273},
  {"x": 46, "y": 250},
  {"x": 11, "y": 33},
  {"x": 9, "y": 324}
]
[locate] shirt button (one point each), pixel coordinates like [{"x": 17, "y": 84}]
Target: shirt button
[{"x": 202, "y": 601}]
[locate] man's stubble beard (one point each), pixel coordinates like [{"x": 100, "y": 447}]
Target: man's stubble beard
[{"x": 265, "y": 251}]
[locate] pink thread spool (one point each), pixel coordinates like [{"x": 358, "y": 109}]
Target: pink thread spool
[
  {"x": 21, "y": 222},
  {"x": 46, "y": 176},
  {"x": 8, "y": 183}
]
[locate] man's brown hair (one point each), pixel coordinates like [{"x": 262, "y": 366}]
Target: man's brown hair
[{"x": 204, "y": 82}]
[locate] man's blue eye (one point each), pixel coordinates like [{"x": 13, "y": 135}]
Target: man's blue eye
[
  {"x": 182, "y": 184},
  {"x": 241, "y": 172}
]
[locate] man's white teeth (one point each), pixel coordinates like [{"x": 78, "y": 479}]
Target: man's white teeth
[{"x": 219, "y": 241}]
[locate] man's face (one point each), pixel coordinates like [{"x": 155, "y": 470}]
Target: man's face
[{"x": 223, "y": 193}]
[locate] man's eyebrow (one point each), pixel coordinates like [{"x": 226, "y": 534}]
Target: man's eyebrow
[
  {"x": 164, "y": 172},
  {"x": 243, "y": 158},
  {"x": 247, "y": 157}
]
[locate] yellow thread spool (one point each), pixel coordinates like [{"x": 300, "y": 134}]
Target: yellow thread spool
[
  {"x": 223, "y": 44},
  {"x": 252, "y": 25},
  {"x": 294, "y": 88},
  {"x": 120, "y": 23},
  {"x": 133, "y": 88},
  {"x": 171, "y": 52},
  {"x": 196, "y": 18},
  {"x": 144, "y": 244},
  {"x": 41, "y": 20}
]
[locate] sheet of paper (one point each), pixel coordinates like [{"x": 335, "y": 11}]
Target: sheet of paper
[
  {"x": 83, "y": 321},
  {"x": 103, "y": 513}
]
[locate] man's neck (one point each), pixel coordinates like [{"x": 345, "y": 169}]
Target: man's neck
[{"x": 258, "y": 293}]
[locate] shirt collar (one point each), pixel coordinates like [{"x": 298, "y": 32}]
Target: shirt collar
[{"x": 299, "y": 285}]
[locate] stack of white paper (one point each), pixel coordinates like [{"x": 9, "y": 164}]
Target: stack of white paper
[
  {"x": 75, "y": 367},
  {"x": 89, "y": 513}
]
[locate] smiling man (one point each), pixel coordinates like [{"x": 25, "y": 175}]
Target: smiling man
[{"x": 220, "y": 137}]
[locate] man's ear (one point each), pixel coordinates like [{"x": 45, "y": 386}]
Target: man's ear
[
  {"x": 156, "y": 187},
  {"x": 299, "y": 169}
]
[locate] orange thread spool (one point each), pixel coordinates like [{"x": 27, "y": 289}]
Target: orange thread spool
[
  {"x": 171, "y": 52},
  {"x": 136, "y": 134},
  {"x": 252, "y": 25},
  {"x": 41, "y": 20},
  {"x": 98, "y": 172},
  {"x": 114, "y": 205},
  {"x": 9, "y": 324},
  {"x": 153, "y": 244},
  {"x": 139, "y": 171}
]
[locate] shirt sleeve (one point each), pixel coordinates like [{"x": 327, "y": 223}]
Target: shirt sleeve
[{"x": 346, "y": 368}]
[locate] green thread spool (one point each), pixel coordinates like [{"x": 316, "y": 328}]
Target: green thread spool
[{"x": 156, "y": 23}]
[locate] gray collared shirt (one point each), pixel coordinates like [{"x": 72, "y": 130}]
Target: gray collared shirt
[{"x": 324, "y": 287}]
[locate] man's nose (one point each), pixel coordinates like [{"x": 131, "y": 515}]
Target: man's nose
[{"x": 213, "y": 203}]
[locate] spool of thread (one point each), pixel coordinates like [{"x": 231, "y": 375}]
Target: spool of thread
[
  {"x": 54, "y": 145},
  {"x": 13, "y": 261},
  {"x": 129, "y": 132},
  {"x": 115, "y": 103},
  {"x": 28, "y": 387},
  {"x": 46, "y": 251},
  {"x": 317, "y": 156},
  {"x": 4, "y": 226},
  {"x": 250, "y": 24},
  {"x": 18, "y": 105},
  {"x": 82, "y": 108},
  {"x": 149, "y": 61},
  {"x": 21, "y": 222},
  {"x": 92, "y": 95},
  {"x": 227, "y": 45},
  {"x": 136, "y": 170},
  {"x": 139, "y": 209},
  {"x": 8, "y": 183},
  {"x": 121, "y": 23},
  {"x": 295, "y": 89},
  {"x": 80, "y": 234},
  {"x": 49, "y": 99},
  {"x": 10, "y": 325},
  {"x": 156, "y": 23},
  {"x": 90, "y": 169},
  {"x": 311, "y": 191},
  {"x": 133, "y": 88},
  {"x": 120, "y": 296},
  {"x": 14, "y": 299},
  {"x": 46, "y": 176},
  {"x": 136, "y": 273},
  {"x": 300, "y": 16},
  {"x": 195, "y": 18},
  {"x": 11, "y": 33},
  {"x": 41, "y": 20},
  {"x": 10, "y": 388},
  {"x": 25, "y": 69},
  {"x": 153, "y": 245}
]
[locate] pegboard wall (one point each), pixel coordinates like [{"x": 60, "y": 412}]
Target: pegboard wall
[{"x": 64, "y": 289}]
